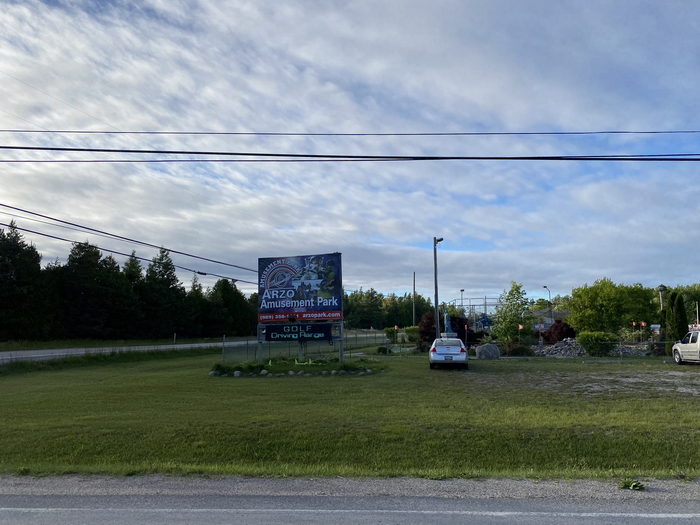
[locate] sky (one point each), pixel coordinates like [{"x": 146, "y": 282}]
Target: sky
[{"x": 362, "y": 67}]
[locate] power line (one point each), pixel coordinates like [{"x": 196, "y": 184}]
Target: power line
[
  {"x": 360, "y": 134},
  {"x": 23, "y": 217},
  {"x": 654, "y": 157},
  {"x": 155, "y": 161},
  {"x": 125, "y": 254},
  {"x": 128, "y": 239}
]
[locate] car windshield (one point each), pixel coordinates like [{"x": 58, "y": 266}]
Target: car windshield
[{"x": 448, "y": 342}]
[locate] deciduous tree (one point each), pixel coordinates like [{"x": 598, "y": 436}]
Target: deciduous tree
[{"x": 511, "y": 313}]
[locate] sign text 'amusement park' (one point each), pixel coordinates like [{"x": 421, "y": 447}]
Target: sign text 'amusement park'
[{"x": 302, "y": 287}]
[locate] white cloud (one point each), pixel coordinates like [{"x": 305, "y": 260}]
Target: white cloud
[{"x": 365, "y": 66}]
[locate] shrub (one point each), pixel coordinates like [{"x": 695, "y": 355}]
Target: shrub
[
  {"x": 558, "y": 332},
  {"x": 597, "y": 344},
  {"x": 391, "y": 334},
  {"x": 632, "y": 334},
  {"x": 413, "y": 333},
  {"x": 423, "y": 346},
  {"x": 521, "y": 350}
]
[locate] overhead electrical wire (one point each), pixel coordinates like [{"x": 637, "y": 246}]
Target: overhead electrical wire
[
  {"x": 25, "y": 218},
  {"x": 151, "y": 161},
  {"x": 655, "y": 157},
  {"x": 128, "y": 239},
  {"x": 125, "y": 254},
  {"x": 358, "y": 134}
]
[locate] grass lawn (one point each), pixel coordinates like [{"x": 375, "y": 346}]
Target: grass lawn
[{"x": 516, "y": 418}]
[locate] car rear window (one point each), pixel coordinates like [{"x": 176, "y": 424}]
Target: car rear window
[{"x": 448, "y": 342}]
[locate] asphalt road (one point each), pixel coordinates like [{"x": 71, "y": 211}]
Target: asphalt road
[
  {"x": 406, "y": 501},
  {"x": 57, "y": 353}
]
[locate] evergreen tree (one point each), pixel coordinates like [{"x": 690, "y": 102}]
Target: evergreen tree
[
  {"x": 133, "y": 271},
  {"x": 231, "y": 313},
  {"x": 196, "y": 310},
  {"x": 135, "y": 325},
  {"x": 85, "y": 306},
  {"x": 681, "y": 316},
  {"x": 163, "y": 297},
  {"x": 51, "y": 303},
  {"x": 19, "y": 277},
  {"x": 676, "y": 320},
  {"x": 162, "y": 272},
  {"x": 117, "y": 299}
]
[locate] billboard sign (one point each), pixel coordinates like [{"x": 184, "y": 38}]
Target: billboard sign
[
  {"x": 298, "y": 332},
  {"x": 300, "y": 288}
]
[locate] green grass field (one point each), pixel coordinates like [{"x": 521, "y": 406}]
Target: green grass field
[{"x": 537, "y": 418}]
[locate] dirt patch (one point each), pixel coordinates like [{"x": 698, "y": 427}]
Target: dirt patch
[{"x": 622, "y": 381}]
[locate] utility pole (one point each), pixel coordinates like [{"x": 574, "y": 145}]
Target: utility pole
[
  {"x": 414, "y": 299},
  {"x": 436, "y": 240}
]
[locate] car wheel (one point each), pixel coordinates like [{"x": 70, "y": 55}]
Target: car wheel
[
  {"x": 466, "y": 366},
  {"x": 677, "y": 357},
  {"x": 432, "y": 365}
]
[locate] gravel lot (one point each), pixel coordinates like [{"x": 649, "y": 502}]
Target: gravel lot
[{"x": 569, "y": 490}]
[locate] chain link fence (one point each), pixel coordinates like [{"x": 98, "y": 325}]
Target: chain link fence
[{"x": 254, "y": 351}]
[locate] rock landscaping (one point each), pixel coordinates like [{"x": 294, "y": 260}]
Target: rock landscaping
[
  {"x": 570, "y": 348},
  {"x": 565, "y": 348},
  {"x": 295, "y": 373},
  {"x": 292, "y": 367},
  {"x": 488, "y": 351}
]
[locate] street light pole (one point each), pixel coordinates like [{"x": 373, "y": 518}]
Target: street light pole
[
  {"x": 414, "y": 299},
  {"x": 436, "y": 240},
  {"x": 461, "y": 300},
  {"x": 550, "y": 302},
  {"x": 661, "y": 289}
]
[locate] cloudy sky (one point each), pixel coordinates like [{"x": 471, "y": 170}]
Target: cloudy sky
[{"x": 363, "y": 67}]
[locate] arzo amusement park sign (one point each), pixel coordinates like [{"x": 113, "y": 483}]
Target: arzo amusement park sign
[{"x": 300, "y": 288}]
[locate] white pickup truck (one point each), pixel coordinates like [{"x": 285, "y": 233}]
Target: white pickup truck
[{"x": 688, "y": 348}]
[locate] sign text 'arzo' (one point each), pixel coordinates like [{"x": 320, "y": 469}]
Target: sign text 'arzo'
[{"x": 302, "y": 287}]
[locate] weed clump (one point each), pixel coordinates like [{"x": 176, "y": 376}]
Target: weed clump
[{"x": 632, "y": 484}]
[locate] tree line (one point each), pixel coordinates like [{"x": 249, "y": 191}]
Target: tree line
[
  {"x": 92, "y": 297},
  {"x": 610, "y": 310},
  {"x": 372, "y": 309}
]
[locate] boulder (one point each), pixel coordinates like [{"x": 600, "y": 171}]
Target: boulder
[{"x": 488, "y": 351}]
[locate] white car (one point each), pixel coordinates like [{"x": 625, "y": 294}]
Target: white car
[
  {"x": 448, "y": 351},
  {"x": 687, "y": 349}
]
